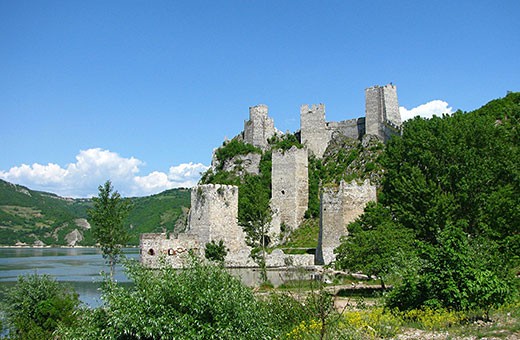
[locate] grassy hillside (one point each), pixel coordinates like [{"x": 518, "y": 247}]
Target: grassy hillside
[{"x": 28, "y": 216}]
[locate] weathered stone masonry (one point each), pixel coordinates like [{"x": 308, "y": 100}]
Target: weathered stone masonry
[
  {"x": 340, "y": 206},
  {"x": 214, "y": 208},
  {"x": 290, "y": 185}
]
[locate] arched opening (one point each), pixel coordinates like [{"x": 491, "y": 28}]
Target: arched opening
[
  {"x": 171, "y": 252},
  {"x": 151, "y": 252}
]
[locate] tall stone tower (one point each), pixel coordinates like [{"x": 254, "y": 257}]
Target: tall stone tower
[
  {"x": 259, "y": 128},
  {"x": 382, "y": 111},
  {"x": 290, "y": 181},
  {"x": 340, "y": 206},
  {"x": 314, "y": 132},
  {"x": 213, "y": 216}
]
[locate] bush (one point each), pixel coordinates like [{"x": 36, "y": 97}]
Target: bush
[
  {"x": 37, "y": 305},
  {"x": 201, "y": 301},
  {"x": 453, "y": 276}
]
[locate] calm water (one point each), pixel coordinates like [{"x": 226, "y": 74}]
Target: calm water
[{"x": 80, "y": 267}]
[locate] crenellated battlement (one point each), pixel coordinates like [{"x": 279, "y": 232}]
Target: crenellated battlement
[{"x": 259, "y": 128}]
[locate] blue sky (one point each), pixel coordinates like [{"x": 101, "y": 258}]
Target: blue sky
[{"x": 142, "y": 91}]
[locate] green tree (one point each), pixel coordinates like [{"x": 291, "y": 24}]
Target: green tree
[
  {"x": 107, "y": 216},
  {"x": 454, "y": 276},
  {"x": 37, "y": 305},
  {"x": 376, "y": 245},
  {"x": 254, "y": 215}
]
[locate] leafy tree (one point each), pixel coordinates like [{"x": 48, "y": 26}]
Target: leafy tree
[
  {"x": 254, "y": 215},
  {"x": 107, "y": 217},
  {"x": 376, "y": 244},
  {"x": 453, "y": 276},
  {"x": 37, "y": 305}
]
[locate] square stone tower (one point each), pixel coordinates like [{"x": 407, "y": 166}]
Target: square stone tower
[
  {"x": 213, "y": 216},
  {"x": 290, "y": 185},
  {"x": 313, "y": 128},
  {"x": 340, "y": 206},
  {"x": 382, "y": 111},
  {"x": 259, "y": 128}
]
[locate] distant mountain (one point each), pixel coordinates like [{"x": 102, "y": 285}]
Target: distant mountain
[{"x": 29, "y": 217}]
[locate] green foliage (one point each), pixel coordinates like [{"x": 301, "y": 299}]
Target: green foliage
[
  {"x": 376, "y": 245},
  {"x": 451, "y": 169},
  {"x": 306, "y": 236},
  {"x": 198, "y": 302},
  {"x": 285, "y": 142},
  {"x": 37, "y": 305},
  {"x": 28, "y": 215},
  {"x": 107, "y": 216},
  {"x": 453, "y": 276},
  {"x": 234, "y": 148},
  {"x": 215, "y": 251},
  {"x": 454, "y": 181},
  {"x": 254, "y": 212}
]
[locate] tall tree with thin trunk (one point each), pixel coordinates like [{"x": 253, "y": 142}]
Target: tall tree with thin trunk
[{"x": 107, "y": 217}]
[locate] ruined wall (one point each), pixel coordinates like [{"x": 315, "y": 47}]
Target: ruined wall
[
  {"x": 290, "y": 196},
  {"x": 159, "y": 248},
  {"x": 259, "y": 128},
  {"x": 382, "y": 111},
  {"x": 352, "y": 128},
  {"x": 340, "y": 206},
  {"x": 313, "y": 129}
]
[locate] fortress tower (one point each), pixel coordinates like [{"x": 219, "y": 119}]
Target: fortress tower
[
  {"x": 290, "y": 195},
  {"x": 213, "y": 216},
  {"x": 259, "y": 128},
  {"x": 314, "y": 131},
  {"x": 382, "y": 111},
  {"x": 340, "y": 206}
]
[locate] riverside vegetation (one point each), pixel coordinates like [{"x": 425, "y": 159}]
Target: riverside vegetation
[{"x": 444, "y": 234}]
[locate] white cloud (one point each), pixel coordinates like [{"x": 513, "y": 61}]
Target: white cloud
[
  {"x": 428, "y": 110},
  {"x": 93, "y": 167}
]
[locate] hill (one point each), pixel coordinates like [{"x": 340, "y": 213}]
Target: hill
[{"x": 29, "y": 217}]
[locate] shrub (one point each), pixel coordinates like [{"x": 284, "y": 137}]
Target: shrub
[
  {"x": 201, "y": 301},
  {"x": 37, "y": 305}
]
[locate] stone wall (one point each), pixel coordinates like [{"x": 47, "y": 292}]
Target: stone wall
[
  {"x": 315, "y": 134},
  {"x": 290, "y": 195},
  {"x": 259, "y": 128},
  {"x": 352, "y": 128},
  {"x": 159, "y": 248},
  {"x": 340, "y": 206}
]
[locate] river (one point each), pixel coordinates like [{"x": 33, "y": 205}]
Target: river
[
  {"x": 79, "y": 267},
  {"x": 82, "y": 267}
]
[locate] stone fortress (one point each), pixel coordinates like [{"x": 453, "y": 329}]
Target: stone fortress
[{"x": 214, "y": 207}]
